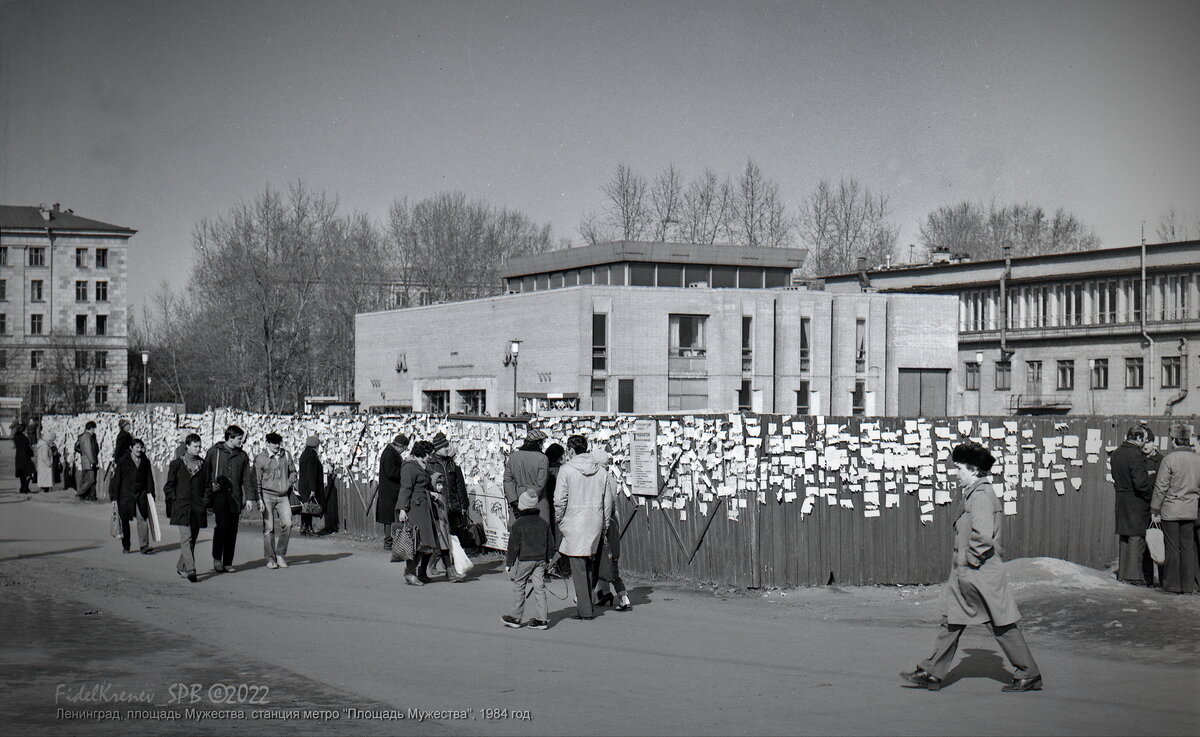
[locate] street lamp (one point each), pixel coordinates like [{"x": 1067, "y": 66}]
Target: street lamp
[
  {"x": 979, "y": 379},
  {"x": 146, "y": 377},
  {"x": 514, "y": 348}
]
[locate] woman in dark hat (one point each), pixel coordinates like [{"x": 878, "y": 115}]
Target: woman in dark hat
[
  {"x": 311, "y": 484},
  {"x": 977, "y": 591},
  {"x": 390, "y": 462}
]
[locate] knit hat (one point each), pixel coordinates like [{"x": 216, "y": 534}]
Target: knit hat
[
  {"x": 312, "y": 441},
  {"x": 535, "y": 435},
  {"x": 440, "y": 441},
  {"x": 975, "y": 455},
  {"x": 528, "y": 500}
]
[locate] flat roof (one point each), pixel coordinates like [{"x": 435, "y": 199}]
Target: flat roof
[{"x": 662, "y": 253}]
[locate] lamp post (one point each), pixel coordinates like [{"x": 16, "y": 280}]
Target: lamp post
[
  {"x": 979, "y": 386},
  {"x": 146, "y": 378},
  {"x": 514, "y": 348}
]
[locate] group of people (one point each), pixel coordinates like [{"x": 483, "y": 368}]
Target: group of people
[
  {"x": 1153, "y": 490},
  {"x": 562, "y": 504}
]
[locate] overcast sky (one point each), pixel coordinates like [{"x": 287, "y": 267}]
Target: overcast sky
[{"x": 156, "y": 114}]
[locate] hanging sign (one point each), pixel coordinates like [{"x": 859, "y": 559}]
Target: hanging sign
[{"x": 643, "y": 458}]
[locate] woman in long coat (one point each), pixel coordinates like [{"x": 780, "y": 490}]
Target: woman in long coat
[
  {"x": 414, "y": 505},
  {"x": 311, "y": 485},
  {"x": 977, "y": 591},
  {"x": 44, "y": 454},
  {"x": 130, "y": 489},
  {"x": 188, "y": 493},
  {"x": 25, "y": 469}
]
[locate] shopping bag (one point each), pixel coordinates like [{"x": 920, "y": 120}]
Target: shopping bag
[
  {"x": 114, "y": 525},
  {"x": 462, "y": 564},
  {"x": 1154, "y": 541},
  {"x": 403, "y": 547}
]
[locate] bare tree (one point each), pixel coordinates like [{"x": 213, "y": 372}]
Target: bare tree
[
  {"x": 759, "y": 216},
  {"x": 840, "y": 225},
  {"x": 626, "y": 204},
  {"x": 666, "y": 205},
  {"x": 1172, "y": 227},
  {"x": 707, "y": 209},
  {"x": 980, "y": 231}
]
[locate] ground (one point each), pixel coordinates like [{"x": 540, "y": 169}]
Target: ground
[{"x": 338, "y": 634}]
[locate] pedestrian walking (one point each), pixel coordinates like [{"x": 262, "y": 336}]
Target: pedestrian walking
[
  {"x": 440, "y": 511},
  {"x": 414, "y": 507},
  {"x": 131, "y": 491},
  {"x": 44, "y": 456},
  {"x": 457, "y": 502},
  {"x": 977, "y": 590},
  {"x": 559, "y": 567},
  {"x": 530, "y": 544},
  {"x": 275, "y": 477},
  {"x": 124, "y": 439},
  {"x": 391, "y": 461},
  {"x": 1133, "y": 491},
  {"x": 25, "y": 466},
  {"x": 583, "y": 504},
  {"x": 87, "y": 451},
  {"x": 610, "y": 587},
  {"x": 1175, "y": 504},
  {"x": 187, "y": 493},
  {"x": 311, "y": 484},
  {"x": 526, "y": 468},
  {"x": 232, "y": 491}
]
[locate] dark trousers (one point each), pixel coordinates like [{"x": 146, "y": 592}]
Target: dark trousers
[
  {"x": 1012, "y": 642},
  {"x": 1179, "y": 568},
  {"x": 225, "y": 536},
  {"x": 25, "y": 484},
  {"x": 583, "y": 578},
  {"x": 418, "y": 566},
  {"x": 87, "y": 483},
  {"x": 187, "y": 548},
  {"x": 306, "y": 521},
  {"x": 1135, "y": 564},
  {"x": 142, "y": 512}
]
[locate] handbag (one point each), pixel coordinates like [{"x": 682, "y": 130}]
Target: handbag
[
  {"x": 311, "y": 507},
  {"x": 1154, "y": 541},
  {"x": 462, "y": 564},
  {"x": 403, "y": 547}
]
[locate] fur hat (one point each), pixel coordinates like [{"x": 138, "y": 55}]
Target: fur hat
[
  {"x": 1180, "y": 431},
  {"x": 312, "y": 441},
  {"x": 440, "y": 441},
  {"x": 401, "y": 440},
  {"x": 973, "y": 454},
  {"x": 528, "y": 500},
  {"x": 535, "y": 435}
]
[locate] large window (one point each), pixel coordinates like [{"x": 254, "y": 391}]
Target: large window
[
  {"x": 805, "y": 344},
  {"x": 35, "y": 324},
  {"x": 599, "y": 342},
  {"x": 3, "y": 363},
  {"x": 685, "y": 394},
  {"x": 686, "y": 350},
  {"x": 101, "y": 258},
  {"x": 641, "y": 275},
  {"x": 858, "y": 399},
  {"x": 36, "y": 359},
  {"x": 747, "y": 343},
  {"x": 3, "y": 290},
  {"x": 81, "y": 258},
  {"x": 101, "y": 324},
  {"x": 1033, "y": 377},
  {"x": 81, "y": 324},
  {"x": 860, "y": 346},
  {"x": 670, "y": 275},
  {"x": 724, "y": 276},
  {"x": 1003, "y": 376},
  {"x": 101, "y": 395},
  {"x": 81, "y": 360},
  {"x": 36, "y": 292},
  {"x": 3, "y": 255},
  {"x": 1099, "y": 373},
  {"x": 803, "y": 405},
  {"x": 743, "y": 396},
  {"x": 1172, "y": 368},
  {"x": 101, "y": 359},
  {"x": 1066, "y": 375},
  {"x": 437, "y": 401},
  {"x": 3, "y": 324},
  {"x": 1135, "y": 373},
  {"x": 474, "y": 401},
  {"x": 37, "y": 256},
  {"x": 101, "y": 291},
  {"x": 972, "y": 376},
  {"x": 81, "y": 291}
]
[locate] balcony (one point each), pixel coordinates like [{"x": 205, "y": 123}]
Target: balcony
[
  {"x": 747, "y": 360},
  {"x": 1039, "y": 403},
  {"x": 686, "y": 361}
]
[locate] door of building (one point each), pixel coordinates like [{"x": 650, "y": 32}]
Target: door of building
[
  {"x": 624, "y": 395},
  {"x": 923, "y": 392}
]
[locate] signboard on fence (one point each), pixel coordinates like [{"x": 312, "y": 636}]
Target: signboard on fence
[
  {"x": 489, "y": 508},
  {"x": 643, "y": 458}
]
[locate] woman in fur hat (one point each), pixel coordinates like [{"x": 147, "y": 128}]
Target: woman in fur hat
[{"x": 977, "y": 591}]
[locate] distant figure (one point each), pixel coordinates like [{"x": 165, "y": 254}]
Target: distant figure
[
  {"x": 124, "y": 438},
  {"x": 583, "y": 504},
  {"x": 391, "y": 460},
  {"x": 89, "y": 460},
  {"x": 275, "y": 475},
  {"x": 977, "y": 591},
  {"x": 131, "y": 491},
  {"x": 44, "y": 455},
  {"x": 608, "y": 568},
  {"x": 530, "y": 544},
  {"x": 1175, "y": 503},
  {"x": 188, "y": 493},
  {"x": 311, "y": 485},
  {"x": 232, "y": 490},
  {"x": 1133, "y": 491},
  {"x": 25, "y": 467}
]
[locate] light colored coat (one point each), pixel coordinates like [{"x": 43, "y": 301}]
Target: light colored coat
[
  {"x": 977, "y": 590},
  {"x": 43, "y": 454},
  {"x": 1177, "y": 488},
  {"x": 583, "y": 502}
]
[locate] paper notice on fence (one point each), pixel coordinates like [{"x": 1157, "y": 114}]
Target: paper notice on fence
[
  {"x": 941, "y": 496},
  {"x": 1010, "y": 508},
  {"x": 891, "y": 500},
  {"x": 927, "y": 508},
  {"x": 1060, "y": 487},
  {"x": 871, "y": 512},
  {"x": 1093, "y": 444},
  {"x": 1077, "y": 483},
  {"x": 807, "y": 507},
  {"x": 997, "y": 433},
  {"x": 965, "y": 426},
  {"x": 871, "y": 497}
]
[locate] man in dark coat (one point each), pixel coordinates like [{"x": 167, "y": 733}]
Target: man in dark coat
[
  {"x": 25, "y": 467},
  {"x": 88, "y": 450},
  {"x": 390, "y": 462},
  {"x": 527, "y": 468},
  {"x": 130, "y": 490},
  {"x": 124, "y": 438},
  {"x": 232, "y": 491},
  {"x": 311, "y": 484},
  {"x": 1133, "y": 492},
  {"x": 187, "y": 493}
]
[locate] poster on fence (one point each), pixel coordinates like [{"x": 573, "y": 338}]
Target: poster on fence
[
  {"x": 643, "y": 458},
  {"x": 490, "y": 508}
]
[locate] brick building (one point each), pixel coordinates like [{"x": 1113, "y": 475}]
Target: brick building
[
  {"x": 1070, "y": 334},
  {"x": 636, "y": 327},
  {"x": 63, "y": 310}
]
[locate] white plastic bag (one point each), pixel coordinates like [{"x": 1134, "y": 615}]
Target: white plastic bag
[
  {"x": 1154, "y": 541},
  {"x": 462, "y": 564}
]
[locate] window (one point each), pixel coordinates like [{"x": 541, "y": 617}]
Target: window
[
  {"x": 858, "y": 399},
  {"x": 1033, "y": 377},
  {"x": 36, "y": 359},
  {"x": 81, "y": 258},
  {"x": 437, "y": 401},
  {"x": 3, "y": 255},
  {"x": 556, "y": 280},
  {"x": 81, "y": 324},
  {"x": 641, "y": 275},
  {"x": 35, "y": 324},
  {"x": 474, "y": 401},
  {"x": 81, "y": 360},
  {"x": 101, "y": 258},
  {"x": 972, "y": 376},
  {"x": 599, "y": 342},
  {"x": 3, "y": 324},
  {"x": 724, "y": 276},
  {"x": 750, "y": 277},
  {"x": 571, "y": 278},
  {"x": 670, "y": 275},
  {"x": 685, "y": 394},
  {"x": 1099, "y": 373},
  {"x": 101, "y": 324},
  {"x": 37, "y": 394},
  {"x": 1135, "y": 301},
  {"x": 805, "y": 344},
  {"x": 747, "y": 343},
  {"x": 3, "y": 363},
  {"x": 743, "y": 396},
  {"x": 600, "y": 275},
  {"x": 617, "y": 278},
  {"x": 1003, "y": 376},
  {"x": 80, "y": 394},
  {"x": 543, "y": 281},
  {"x": 101, "y": 394},
  {"x": 1135, "y": 376},
  {"x": 3, "y": 390},
  {"x": 101, "y": 359},
  {"x": 101, "y": 291},
  {"x": 3, "y": 290},
  {"x": 687, "y": 336},
  {"x": 860, "y": 343},
  {"x": 693, "y": 274},
  {"x": 1172, "y": 367},
  {"x": 802, "y": 399},
  {"x": 81, "y": 291},
  {"x": 37, "y": 256},
  {"x": 599, "y": 395},
  {"x": 1066, "y": 375},
  {"x": 36, "y": 293}
]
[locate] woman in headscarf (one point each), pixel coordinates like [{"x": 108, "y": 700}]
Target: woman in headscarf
[
  {"x": 44, "y": 454},
  {"x": 311, "y": 485}
]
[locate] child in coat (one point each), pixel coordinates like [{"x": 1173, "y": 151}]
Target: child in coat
[{"x": 529, "y": 546}]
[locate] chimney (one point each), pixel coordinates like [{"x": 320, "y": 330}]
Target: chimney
[
  {"x": 940, "y": 255},
  {"x": 44, "y": 209}
]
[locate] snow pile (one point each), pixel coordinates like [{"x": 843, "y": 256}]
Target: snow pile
[{"x": 1062, "y": 574}]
